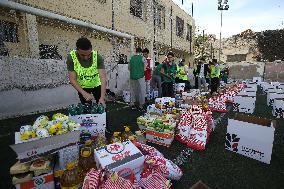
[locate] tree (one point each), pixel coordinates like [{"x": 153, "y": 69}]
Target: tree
[{"x": 202, "y": 46}]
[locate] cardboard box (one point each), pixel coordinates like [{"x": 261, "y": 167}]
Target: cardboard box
[
  {"x": 92, "y": 123},
  {"x": 272, "y": 95},
  {"x": 246, "y": 92},
  {"x": 245, "y": 104},
  {"x": 199, "y": 185},
  {"x": 31, "y": 150},
  {"x": 257, "y": 79},
  {"x": 118, "y": 156},
  {"x": 179, "y": 87},
  {"x": 251, "y": 136},
  {"x": 281, "y": 86},
  {"x": 278, "y": 108},
  {"x": 251, "y": 87},
  {"x": 126, "y": 96},
  {"x": 161, "y": 138},
  {"x": 45, "y": 181}
]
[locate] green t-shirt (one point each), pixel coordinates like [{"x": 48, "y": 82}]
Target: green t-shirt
[
  {"x": 85, "y": 63},
  {"x": 137, "y": 66},
  {"x": 157, "y": 70},
  {"x": 171, "y": 70}
]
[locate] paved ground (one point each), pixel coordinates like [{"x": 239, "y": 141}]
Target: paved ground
[{"x": 215, "y": 166}]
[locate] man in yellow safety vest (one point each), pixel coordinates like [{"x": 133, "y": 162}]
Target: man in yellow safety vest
[
  {"x": 86, "y": 72},
  {"x": 215, "y": 75},
  {"x": 182, "y": 74}
]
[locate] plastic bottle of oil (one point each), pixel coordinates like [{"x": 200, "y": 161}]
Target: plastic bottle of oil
[
  {"x": 126, "y": 134},
  {"x": 86, "y": 159},
  {"x": 70, "y": 178},
  {"x": 140, "y": 137},
  {"x": 115, "y": 137}
]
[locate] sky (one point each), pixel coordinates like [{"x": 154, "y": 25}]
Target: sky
[{"x": 257, "y": 15}]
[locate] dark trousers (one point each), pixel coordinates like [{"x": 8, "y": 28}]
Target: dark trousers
[
  {"x": 196, "y": 82},
  {"x": 96, "y": 91},
  {"x": 214, "y": 84},
  {"x": 168, "y": 89}
]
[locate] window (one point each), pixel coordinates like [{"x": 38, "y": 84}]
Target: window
[
  {"x": 179, "y": 26},
  {"x": 9, "y": 31},
  {"x": 189, "y": 33},
  {"x": 136, "y": 8},
  {"x": 159, "y": 16}
]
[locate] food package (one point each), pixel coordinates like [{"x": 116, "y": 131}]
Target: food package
[
  {"x": 147, "y": 150},
  {"x": 198, "y": 134},
  {"x": 40, "y": 122},
  {"x": 164, "y": 166},
  {"x": 18, "y": 168},
  {"x": 27, "y": 132},
  {"x": 40, "y": 164},
  {"x": 60, "y": 117},
  {"x": 21, "y": 178},
  {"x": 42, "y": 133}
]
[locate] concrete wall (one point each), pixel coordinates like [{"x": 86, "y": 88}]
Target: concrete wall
[
  {"x": 246, "y": 70},
  {"x": 270, "y": 71},
  {"x": 16, "y": 102},
  {"x": 32, "y": 85},
  {"x": 274, "y": 71}
]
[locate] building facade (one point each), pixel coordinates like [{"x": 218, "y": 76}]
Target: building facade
[
  {"x": 36, "y": 36},
  {"x": 159, "y": 25}
]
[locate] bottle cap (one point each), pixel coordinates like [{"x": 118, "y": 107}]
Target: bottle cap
[
  {"x": 116, "y": 134},
  {"x": 131, "y": 138},
  {"x": 126, "y": 128},
  {"x": 88, "y": 142},
  {"x": 70, "y": 165}
]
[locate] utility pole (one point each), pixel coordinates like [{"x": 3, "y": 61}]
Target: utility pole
[{"x": 222, "y": 6}]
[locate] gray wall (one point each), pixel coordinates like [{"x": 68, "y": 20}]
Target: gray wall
[
  {"x": 270, "y": 71},
  {"x": 33, "y": 85}
]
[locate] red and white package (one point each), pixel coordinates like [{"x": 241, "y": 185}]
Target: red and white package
[
  {"x": 198, "y": 133},
  {"x": 183, "y": 128},
  {"x": 152, "y": 179},
  {"x": 147, "y": 150},
  {"x": 92, "y": 179},
  {"x": 164, "y": 166},
  {"x": 197, "y": 139}
]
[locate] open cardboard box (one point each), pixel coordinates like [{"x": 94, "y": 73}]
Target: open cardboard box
[
  {"x": 251, "y": 136},
  {"x": 28, "y": 151}
]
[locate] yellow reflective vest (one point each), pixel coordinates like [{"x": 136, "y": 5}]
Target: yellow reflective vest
[
  {"x": 181, "y": 72},
  {"x": 215, "y": 71},
  {"x": 86, "y": 77}
]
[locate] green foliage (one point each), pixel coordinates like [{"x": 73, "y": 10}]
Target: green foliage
[{"x": 202, "y": 46}]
